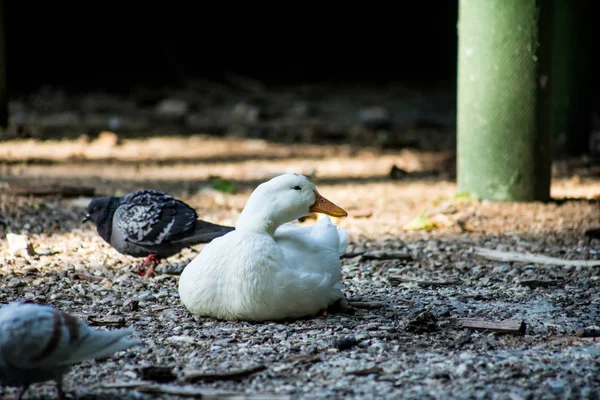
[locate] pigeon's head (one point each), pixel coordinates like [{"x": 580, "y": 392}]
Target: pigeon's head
[{"x": 99, "y": 210}]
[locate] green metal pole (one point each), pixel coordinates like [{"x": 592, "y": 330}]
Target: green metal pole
[
  {"x": 502, "y": 155},
  {"x": 3, "y": 88}
]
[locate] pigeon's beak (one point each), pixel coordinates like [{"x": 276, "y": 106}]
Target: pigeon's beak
[
  {"x": 322, "y": 205},
  {"x": 86, "y": 219}
]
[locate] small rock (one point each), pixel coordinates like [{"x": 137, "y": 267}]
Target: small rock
[
  {"x": 19, "y": 245},
  {"x": 378, "y": 347},
  {"x": 14, "y": 283},
  {"x": 346, "y": 343},
  {"x": 422, "y": 321},
  {"x": 441, "y": 311},
  {"x": 397, "y": 174},
  {"x": 557, "y": 386},
  {"x": 158, "y": 374},
  {"x": 590, "y": 331},
  {"x": 146, "y": 296},
  {"x": 107, "y": 139},
  {"x": 462, "y": 339},
  {"x": 463, "y": 369},
  {"x": 131, "y": 305}
]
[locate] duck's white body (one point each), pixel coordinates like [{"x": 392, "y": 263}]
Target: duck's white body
[{"x": 268, "y": 269}]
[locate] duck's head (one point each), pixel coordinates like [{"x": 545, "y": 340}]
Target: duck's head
[{"x": 283, "y": 199}]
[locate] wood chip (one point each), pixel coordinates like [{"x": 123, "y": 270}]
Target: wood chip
[
  {"x": 107, "y": 320},
  {"x": 387, "y": 255},
  {"x": 88, "y": 277},
  {"x": 507, "y": 326},
  {"x": 195, "y": 375},
  {"x": 366, "y": 371},
  {"x": 420, "y": 282},
  {"x": 528, "y": 258}
]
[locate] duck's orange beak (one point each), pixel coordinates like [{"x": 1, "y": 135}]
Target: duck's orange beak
[{"x": 322, "y": 205}]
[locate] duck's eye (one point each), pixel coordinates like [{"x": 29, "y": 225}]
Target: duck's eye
[{"x": 297, "y": 188}]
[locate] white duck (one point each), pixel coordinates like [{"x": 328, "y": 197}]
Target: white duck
[{"x": 267, "y": 269}]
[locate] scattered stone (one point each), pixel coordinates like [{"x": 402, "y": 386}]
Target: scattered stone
[
  {"x": 131, "y": 305},
  {"x": 346, "y": 343},
  {"x": 592, "y": 331},
  {"x": 422, "y": 321},
  {"x": 19, "y": 245},
  {"x": 158, "y": 374},
  {"x": 107, "y": 139}
]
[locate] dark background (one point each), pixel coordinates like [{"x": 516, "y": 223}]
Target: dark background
[{"x": 115, "y": 46}]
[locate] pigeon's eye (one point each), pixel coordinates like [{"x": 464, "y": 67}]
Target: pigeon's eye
[
  {"x": 96, "y": 209},
  {"x": 297, "y": 188}
]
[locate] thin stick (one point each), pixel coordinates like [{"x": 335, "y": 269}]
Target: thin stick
[
  {"x": 509, "y": 256},
  {"x": 420, "y": 282},
  {"x": 507, "y": 326},
  {"x": 195, "y": 375}
]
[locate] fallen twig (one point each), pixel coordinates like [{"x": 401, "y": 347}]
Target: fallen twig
[
  {"x": 302, "y": 359},
  {"x": 88, "y": 277},
  {"x": 387, "y": 255},
  {"x": 365, "y": 305},
  {"x": 507, "y": 326},
  {"x": 353, "y": 254},
  {"x": 195, "y": 375},
  {"x": 535, "y": 283},
  {"x": 189, "y": 391},
  {"x": 107, "y": 320},
  {"x": 510, "y": 256},
  {"x": 366, "y": 371},
  {"x": 420, "y": 282}
]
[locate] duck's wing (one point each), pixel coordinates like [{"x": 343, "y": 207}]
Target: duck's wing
[{"x": 313, "y": 249}]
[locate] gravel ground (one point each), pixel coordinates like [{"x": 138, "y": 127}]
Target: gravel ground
[{"x": 418, "y": 283}]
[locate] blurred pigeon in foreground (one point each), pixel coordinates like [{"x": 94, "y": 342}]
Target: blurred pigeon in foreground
[
  {"x": 40, "y": 343},
  {"x": 150, "y": 224}
]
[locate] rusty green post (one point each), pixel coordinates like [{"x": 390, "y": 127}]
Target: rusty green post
[{"x": 502, "y": 154}]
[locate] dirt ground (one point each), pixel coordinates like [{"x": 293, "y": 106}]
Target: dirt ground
[{"x": 418, "y": 283}]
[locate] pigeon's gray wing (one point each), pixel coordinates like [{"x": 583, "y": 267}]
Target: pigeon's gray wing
[
  {"x": 150, "y": 217},
  {"x": 26, "y": 332},
  {"x": 38, "y": 336}
]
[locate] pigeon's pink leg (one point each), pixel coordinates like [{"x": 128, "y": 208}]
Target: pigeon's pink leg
[{"x": 151, "y": 259}]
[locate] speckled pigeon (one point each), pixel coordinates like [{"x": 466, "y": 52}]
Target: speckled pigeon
[
  {"x": 40, "y": 343},
  {"x": 150, "y": 224}
]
